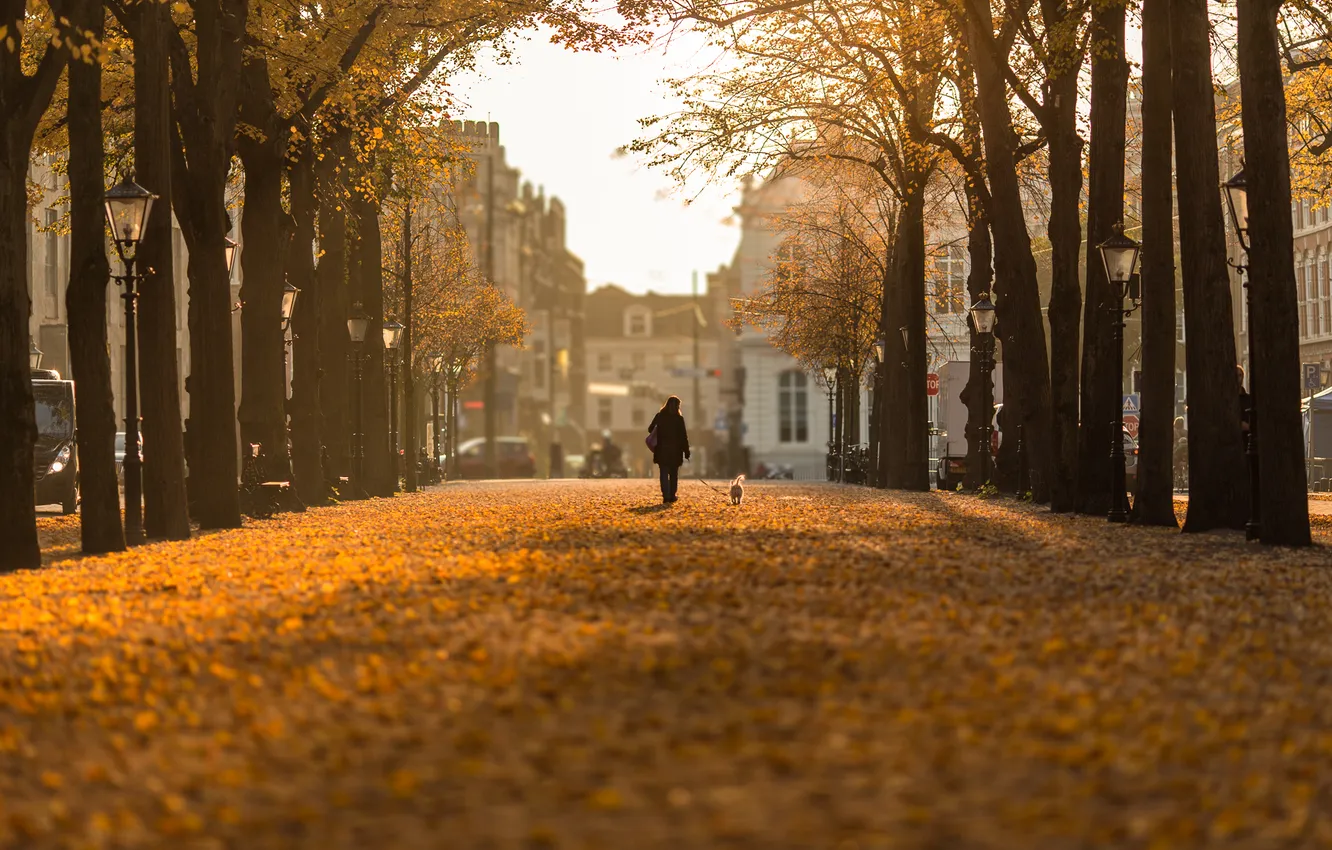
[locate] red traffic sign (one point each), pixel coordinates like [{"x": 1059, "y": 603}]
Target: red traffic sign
[
  {"x": 1131, "y": 425},
  {"x": 931, "y": 384}
]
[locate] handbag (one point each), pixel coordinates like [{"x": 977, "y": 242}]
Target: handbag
[{"x": 651, "y": 440}]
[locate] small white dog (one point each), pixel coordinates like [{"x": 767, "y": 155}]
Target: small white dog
[{"x": 738, "y": 490}]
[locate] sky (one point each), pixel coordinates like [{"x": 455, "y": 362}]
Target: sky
[{"x": 563, "y": 115}]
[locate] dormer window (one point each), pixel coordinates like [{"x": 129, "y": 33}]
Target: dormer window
[{"x": 637, "y": 322}]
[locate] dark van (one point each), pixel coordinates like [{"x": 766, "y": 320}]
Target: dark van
[{"x": 54, "y": 458}]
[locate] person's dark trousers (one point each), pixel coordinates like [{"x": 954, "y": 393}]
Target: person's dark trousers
[{"x": 670, "y": 482}]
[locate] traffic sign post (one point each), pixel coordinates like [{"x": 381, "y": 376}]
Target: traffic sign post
[
  {"x": 1132, "y": 404},
  {"x": 1313, "y": 374}
]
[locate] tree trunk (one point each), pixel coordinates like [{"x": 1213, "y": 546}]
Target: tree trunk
[
  {"x": 910, "y": 274},
  {"x": 979, "y": 390},
  {"x": 1101, "y": 398},
  {"x": 213, "y": 455},
  {"x": 263, "y": 414},
  {"x": 366, "y": 267},
  {"x": 166, "y": 508},
  {"x": 18, "y": 425},
  {"x": 1154, "y": 501},
  {"x": 1065, "y": 234},
  {"x": 1274, "y": 344},
  {"x": 306, "y": 439},
  {"x": 334, "y": 308},
  {"x": 85, "y": 299},
  {"x": 1026, "y": 364},
  {"x": 1217, "y": 479}
]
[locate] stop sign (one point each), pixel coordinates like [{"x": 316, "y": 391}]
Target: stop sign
[
  {"x": 1131, "y": 424},
  {"x": 931, "y": 384}
]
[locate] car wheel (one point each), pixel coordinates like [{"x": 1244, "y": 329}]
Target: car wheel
[{"x": 70, "y": 503}]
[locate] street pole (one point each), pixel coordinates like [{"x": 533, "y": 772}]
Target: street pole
[
  {"x": 698, "y": 396},
  {"x": 832, "y": 430},
  {"x": 358, "y": 443},
  {"x": 132, "y": 463},
  {"x": 393, "y": 418},
  {"x": 1252, "y": 528},
  {"x": 492, "y": 361},
  {"x": 434, "y": 421},
  {"x": 405, "y": 348},
  {"x": 840, "y": 423},
  {"x": 987, "y": 405},
  {"x": 1118, "y": 485}
]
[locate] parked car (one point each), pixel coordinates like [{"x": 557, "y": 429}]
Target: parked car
[
  {"x": 513, "y": 457},
  {"x": 55, "y": 462},
  {"x": 120, "y": 454}
]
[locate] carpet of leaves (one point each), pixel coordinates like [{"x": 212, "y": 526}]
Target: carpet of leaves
[{"x": 572, "y": 665}]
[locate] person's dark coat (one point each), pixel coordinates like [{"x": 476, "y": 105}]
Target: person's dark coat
[{"x": 672, "y": 439}]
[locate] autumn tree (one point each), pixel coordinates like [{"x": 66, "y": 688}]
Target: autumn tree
[
  {"x": 859, "y": 82},
  {"x": 1274, "y": 351},
  {"x": 1217, "y": 483}
]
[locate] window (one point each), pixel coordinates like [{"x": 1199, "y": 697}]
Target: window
[
  {"x": 539, "y": 373},
  {"x": 1303, "y": 295},
  {"x": 52, "y": 262},
  {"x": 604, "y": 362},
  {"x": 950, "y": 280},
  {"x": 605, "y": 413},
  {"x": 640, "y": 418},
  {"x": 793, "y": 407},
  {"x": 639, "y": 360},
  {"x": 1325, "y": 296}
]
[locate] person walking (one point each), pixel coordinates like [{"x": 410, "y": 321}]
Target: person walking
[{"x": 670, "y": 446}]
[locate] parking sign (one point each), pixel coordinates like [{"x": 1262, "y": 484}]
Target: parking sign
[{"x": 1312, "y": 376}]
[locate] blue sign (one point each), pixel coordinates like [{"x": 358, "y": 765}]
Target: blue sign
[
  {"x": 1132, "y": 403},
  {"x": 1313, "y": 376}
]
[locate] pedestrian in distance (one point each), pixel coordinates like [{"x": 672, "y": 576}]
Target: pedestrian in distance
[{"x": 669, "y": 442}]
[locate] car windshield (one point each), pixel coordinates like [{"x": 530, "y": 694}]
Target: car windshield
[
  {"x": 55, "y": 411},
  {"x": 120, "y": 442}
]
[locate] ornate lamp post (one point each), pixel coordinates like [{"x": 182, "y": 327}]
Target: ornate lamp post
[
  {"x": 127, "y": 208},
  {"x": 1119, "y": 253},
  {"x": 1237, "y": 199},
  {"x": 231, "y": 248},
  {"x": 392, "y": 337},
  {"x": 982, "y": 319},
  {"x": 830, "y": 381},
  {"x": 34, "y": 355},
  {"x": 436, "y": 362},
  {"x": 357, "y": 325}
]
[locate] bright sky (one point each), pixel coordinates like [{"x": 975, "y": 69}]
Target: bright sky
[{"x": 562, "y": 115}]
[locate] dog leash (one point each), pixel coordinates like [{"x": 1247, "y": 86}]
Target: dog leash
[{"x": 722, "y": 493}]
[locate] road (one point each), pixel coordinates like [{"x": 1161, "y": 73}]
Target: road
[{"x": 571, "y": 664}]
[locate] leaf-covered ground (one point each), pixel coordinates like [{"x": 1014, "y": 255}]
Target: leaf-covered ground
[{"x": 573, "y": 665}]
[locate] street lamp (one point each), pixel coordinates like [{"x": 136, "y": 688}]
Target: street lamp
[
  {"x": 1119, "y": 254},
  {"x": 830, "y": 381},
  {"x": 1237, "y": 199},
  {"x": 393, "y": 336},
  {"x": 357, "y": 324},
  {"x": 289, "y": 294},
  {"x": 231, "y": 250},
  {"x": 982, "y": 320},
  {"x": 34, "y": 354},
  {"x": 127, "y": 208}
]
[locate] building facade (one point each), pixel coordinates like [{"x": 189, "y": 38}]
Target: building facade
[
  {"x": 518, "y": 238},
  {"x": 641, "y": 349}
]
